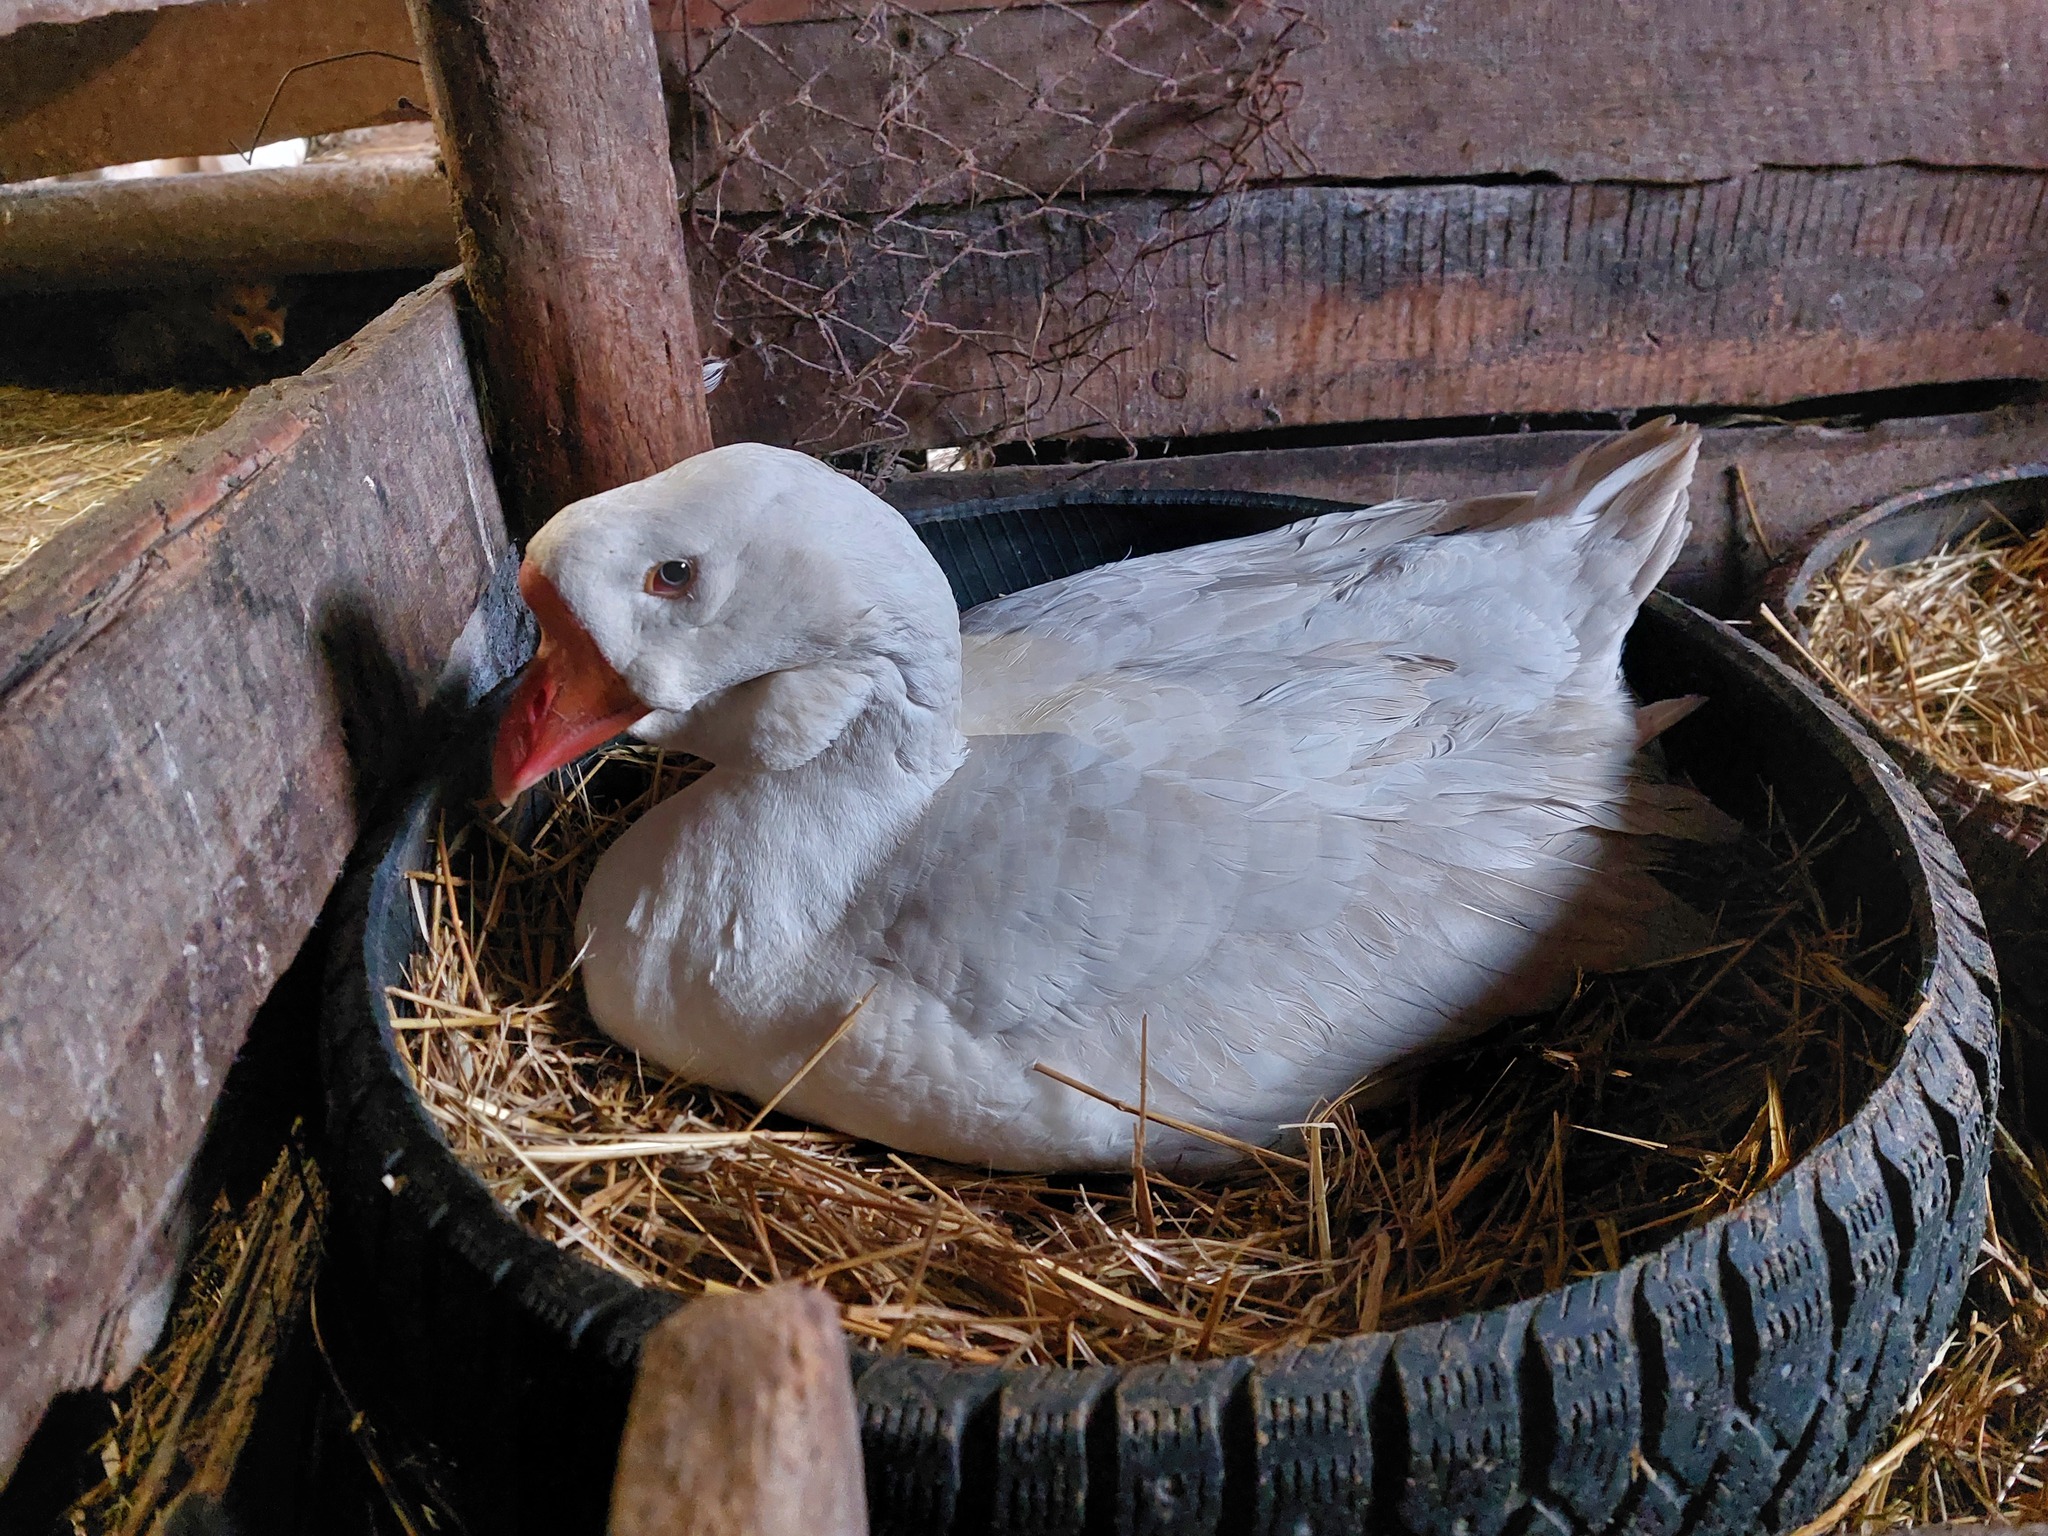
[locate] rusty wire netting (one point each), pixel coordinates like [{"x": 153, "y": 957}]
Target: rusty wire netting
[{"x": 861, "y": 190}]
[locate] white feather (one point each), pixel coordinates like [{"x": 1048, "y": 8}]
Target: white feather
[{"x": 1306, "y": 801}]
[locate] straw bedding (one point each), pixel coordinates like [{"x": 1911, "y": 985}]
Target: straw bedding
[
  {"x": 63, "y": 454},
  {"x": 180, "y": 1426},
  {"x": 1949, "y": 653},
  {"x": 1548, "y": 1149}
]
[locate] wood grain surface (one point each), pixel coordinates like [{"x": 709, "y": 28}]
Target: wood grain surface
[
  {"x": 204, "y": 682},
  {"x": 196, "y": 79},
  {"x": 338, "y": 216},
  {"x": 1291, "y": 307},
  {"x": 1799, "y": 478},
  {"x": 552, "y": 131},
  {"x": 1660, "y": 90},
  {"x": 743, "y": 1423},
  {"x": 1419, "y": 90}
]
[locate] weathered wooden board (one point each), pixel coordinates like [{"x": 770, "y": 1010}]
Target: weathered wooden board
[
  {"x": 1048, "y": 99},
  {"x": 551, "y": 120},
  {"x": 1296, "y": 307},
  {"x": 195, "y": 80},
  {"x": 715, "y": 15},
  {"x": 1415, "y": 89},
  {"x": 743, "y": 1423},
  {"x": 1291, "y": 307},
  {"x": 384, "y": 213},
  {"x": 199, "y": 685},
  {"x": 1800, "y": 477}
]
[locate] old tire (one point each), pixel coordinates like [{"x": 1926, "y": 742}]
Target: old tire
[{"x": 1729, "y": 1382}]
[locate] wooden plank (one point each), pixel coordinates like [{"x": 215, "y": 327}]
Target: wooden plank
[
  {"x": 1304, "y": 307},
  {"x": 1800, "y": 476},
  {"x": 844, "y": 116},
  {"x": 195, "y": 80},
  {"x": 553, "y": 128},
  {"x": 383, "y": 213},
  {"x": 743, "y": 1422},
  {"x": 720, "y": 15},
  {"x": 203, "y": 683},
  {"x": 1662, "y": 90},
  {"x": 1295, "y": 307}
]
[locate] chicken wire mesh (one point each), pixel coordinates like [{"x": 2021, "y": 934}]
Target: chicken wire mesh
[{"x": 864, "y": 191}]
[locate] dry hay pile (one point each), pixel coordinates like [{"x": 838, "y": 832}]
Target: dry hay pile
[
  {"x": 1548, "y": 1149},
  {"x": 1949, "y": 653},
  {"x": 63, "y": 454},
  {"x": 180, "y": 1425},
  {"x": 1973, "y": 1445}
]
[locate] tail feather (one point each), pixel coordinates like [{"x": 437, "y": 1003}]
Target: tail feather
[{"x": 1625, "y": 501}]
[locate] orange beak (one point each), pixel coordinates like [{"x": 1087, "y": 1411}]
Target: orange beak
[{"x": 568, "y": 700}]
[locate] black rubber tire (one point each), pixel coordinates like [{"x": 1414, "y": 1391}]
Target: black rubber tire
[
  {"x": 2000, "y": 842},
  {"x": 1729, "y": 1382}
]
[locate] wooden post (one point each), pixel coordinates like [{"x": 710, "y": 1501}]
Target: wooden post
[
  {"x": 555, "y": 139},
  {"x": 743, "y": 1424}
]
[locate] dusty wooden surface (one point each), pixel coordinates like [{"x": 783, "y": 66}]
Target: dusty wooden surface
[
  {"x": 1665, "y": 90},
  {"x": 1800, "y": 477},
  {"x": 202, "y": 681},
  {"x": 343, "y": 216},
  {"x": 1298, "y": 306},
  {"x": 743, "y": 1423},
  {"x": 194, "y": 80},
  {"x": 552, "y": 130},
  {"x": 1277, "y": 308},
  {"x": 1661, "y": 90}
]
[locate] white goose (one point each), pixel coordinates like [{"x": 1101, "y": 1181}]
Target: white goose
[{"x": 1305, "y": 801}]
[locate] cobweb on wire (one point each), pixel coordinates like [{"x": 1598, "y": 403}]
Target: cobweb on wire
[{"x": 926, "y": 227}]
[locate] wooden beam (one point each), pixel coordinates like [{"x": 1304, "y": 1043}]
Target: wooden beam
[
  {"x": 722, "y": 15},
  {"x": 1582, "y": 90},
  {"x": 1800, "y": 477},
  {"x": 196, "y": 79},
  {"x": 1295, "y": 307},
  {"x": 1289, "y": 308},
  {"x": 845, "y": 117},
  {"x": 339, "y": 216},
  {"x": 203, "y": 684},
  {"x": 743, "y": 1423},
  {"x": 553, "y": 131}
]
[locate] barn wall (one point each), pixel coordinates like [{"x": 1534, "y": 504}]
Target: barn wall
[{"x": 1295, "y": 214}]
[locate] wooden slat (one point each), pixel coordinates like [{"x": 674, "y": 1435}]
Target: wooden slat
[
  {"x": 385, "y": 213},
  {"x": 718, "y": 15},
  {"x": 1661, "y": 90},
  {"x": 1310, "y": 306},
  {"x": 1664, "y": 90},
  {"x": 195, "y": 79},
  {"x": 1301, "y": 306},
  {"x": 203, "y": 682},
  {"x": 1800, "y": 477}
]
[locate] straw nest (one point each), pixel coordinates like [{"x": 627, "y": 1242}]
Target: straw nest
[
  {"x": 1548, "y": 1149},
  {"x": 62, "y": 454},
  {"x": 1949, "y": 653}
]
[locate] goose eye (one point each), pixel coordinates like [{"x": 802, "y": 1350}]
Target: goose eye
[{"x": 671, "y": 578}]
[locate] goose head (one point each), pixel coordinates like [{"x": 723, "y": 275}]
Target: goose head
[{"x": 747, "y": 605}]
